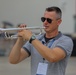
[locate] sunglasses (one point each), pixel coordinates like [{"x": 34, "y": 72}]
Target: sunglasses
[{"x": 48, "y": 19}]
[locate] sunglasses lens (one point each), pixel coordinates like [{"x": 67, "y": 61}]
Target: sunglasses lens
[
  {"x": 43, "y": 19},
  {"x": 49, "y": 20}
]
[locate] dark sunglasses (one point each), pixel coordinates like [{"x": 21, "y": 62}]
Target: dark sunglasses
[{"x": 48, "y": 19}]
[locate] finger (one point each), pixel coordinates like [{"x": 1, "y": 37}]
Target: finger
[{"x": 22, "y": 25}]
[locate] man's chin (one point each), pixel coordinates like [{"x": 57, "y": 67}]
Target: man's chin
[{"x": 46, "y": 30}]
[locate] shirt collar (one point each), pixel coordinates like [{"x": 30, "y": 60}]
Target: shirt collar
[{"x": 41, "y": 38}]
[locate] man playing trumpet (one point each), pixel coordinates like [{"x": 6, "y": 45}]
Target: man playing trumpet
[{"x": 49, "y": 51}]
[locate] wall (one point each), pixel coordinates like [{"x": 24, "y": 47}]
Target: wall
[{"x": 30, "y": 12}]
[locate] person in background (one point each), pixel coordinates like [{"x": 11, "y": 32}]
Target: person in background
[{"x": 49, "y": 51}]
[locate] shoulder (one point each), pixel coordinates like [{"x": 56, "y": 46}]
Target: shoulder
[
  {"x": 66, "y": 38},
  {"x": 66, "y": 42}
]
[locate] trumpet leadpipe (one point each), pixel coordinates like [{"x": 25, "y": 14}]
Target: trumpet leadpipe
[{"x": 16, "y": 29}]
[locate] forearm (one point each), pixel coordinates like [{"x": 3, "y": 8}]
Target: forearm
[{"x": 16, "y": 51}]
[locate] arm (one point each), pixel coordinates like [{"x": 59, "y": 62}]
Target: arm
[
  {"x": 17, "y": 54},
  {"x": 52, "y": 55}
]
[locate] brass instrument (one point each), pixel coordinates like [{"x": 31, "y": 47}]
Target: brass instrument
[{"x": 7, "y": 30}]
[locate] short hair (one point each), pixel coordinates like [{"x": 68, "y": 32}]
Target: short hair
[{"x": 56, "y": 9}]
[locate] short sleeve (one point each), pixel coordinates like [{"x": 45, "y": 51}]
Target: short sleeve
[
  {"x": 66, "y": 44},
  {"x": 27, "y": 47}
]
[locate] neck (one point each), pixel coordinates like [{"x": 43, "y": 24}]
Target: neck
[{"x": 52, "y": 34}]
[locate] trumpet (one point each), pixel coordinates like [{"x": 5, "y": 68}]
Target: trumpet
[{"x": 15, "y": 36}]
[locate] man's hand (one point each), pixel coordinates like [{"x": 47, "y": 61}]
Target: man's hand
[{"x": 25, "y": 34}]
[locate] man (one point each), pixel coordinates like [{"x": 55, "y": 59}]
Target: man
[{"x": 49, "y": 51}]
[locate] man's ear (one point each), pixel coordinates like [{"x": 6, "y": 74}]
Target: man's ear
[{"x": 59, "y": 21}]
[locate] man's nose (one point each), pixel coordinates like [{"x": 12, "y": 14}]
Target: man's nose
[{"x": 45, "y": 21}]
